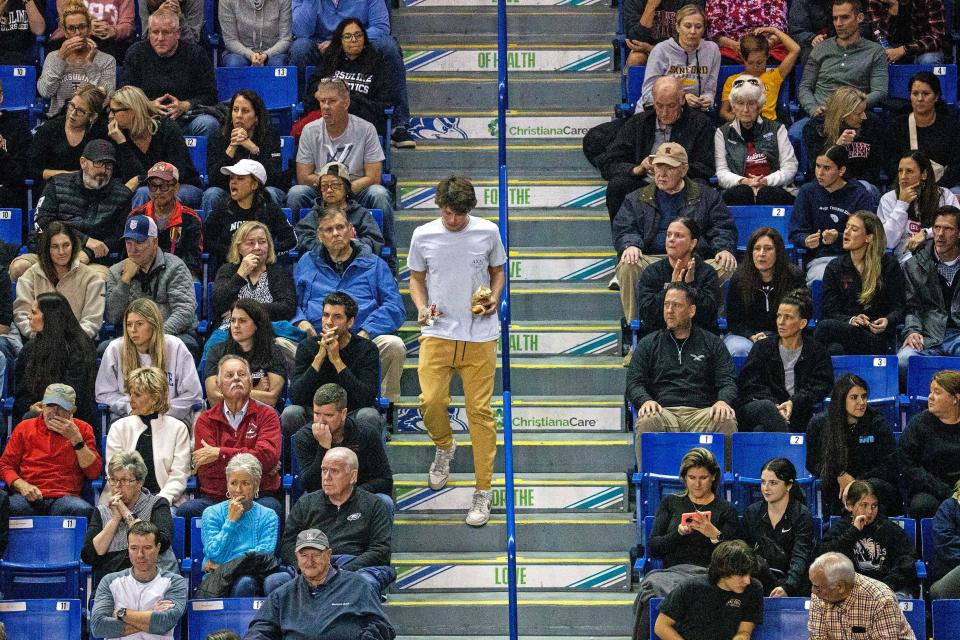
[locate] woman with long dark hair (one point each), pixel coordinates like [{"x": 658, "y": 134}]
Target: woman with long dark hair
[
  {"x": 251, "y": 336},
  {"x": 59, "y": 269},
  {"x": 780, "y": 530},
  {"x": 756, "y": 287},
  {"x": 863, "y": 292},
  {"x": 246, "y": 133},
  {"x": 58, "y": 352},
  {"x": 908, "y": 211},
  {"x": 351, "y": 58},
  {"x": 852, "y": 441}
]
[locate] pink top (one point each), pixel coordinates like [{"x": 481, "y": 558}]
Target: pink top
[
  {"x": 118, "y": 13},
  {"x": 735, "y": 18}
]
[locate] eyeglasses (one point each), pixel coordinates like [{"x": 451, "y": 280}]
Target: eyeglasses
[
  {"x": 160, "y": 185},
  {"x": 77, "y": 110},
  {"x": 100, "y": 164},
  {"x": 116, "y": 110},
  {"x": 352, "y": 37},
  {"x": 331, "y": 186},
  {"x": 119, "y": 482},
  {"x": 741, "y": 81},
  {"x": 76, "y": 28}
]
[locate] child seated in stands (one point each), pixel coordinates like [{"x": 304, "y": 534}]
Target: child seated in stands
[{"x": 755, "y": 51}]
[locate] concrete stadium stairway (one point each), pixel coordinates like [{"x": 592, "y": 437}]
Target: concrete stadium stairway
[{"x": 574, "y": 529}]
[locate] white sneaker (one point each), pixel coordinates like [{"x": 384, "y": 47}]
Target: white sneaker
[
  {"x": 614, "y": 284},
  {"x": 480, "y": 511},
  {"x": 440, "y": 469}
]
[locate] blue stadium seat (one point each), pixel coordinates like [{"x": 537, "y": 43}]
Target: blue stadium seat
[
  {"x": 20, "y": 91},
  {"x": 880, "y": 374},
  {"x": 900, "y": 74},
  {"x": 751, "y": 450},
  {"x": 816, "y": 292},
  {"x": 647, "y": 563},
  {"x": 927, "y": 545},
  {"x": 42, "y": 559},
  {"x": 292, "y": 487},
  {"x": 11, "y": 226},
  {"x": 206, "y": 616},
  {"x": 654, "y": 612},
  {"x": 288, "y": 152},
  {"x": 920, "y": 370},
  {"x": 946, "y": 619},
  {"x": 783, "y": 619},
  {"x": 915, "y": 611},
  {"x": 203, "y": 322},
  {"x": 178, "y": 542},
  {"x": 726, "y": 71},
  {"x": 192, "y": 566},
  {"x": 634, "y": 85},
  {"x": 738, "y": 361},
  {"x": 277, "y": 86},
  {"x": 211, "y": 32},
  {"x": 750, "y": 218},
  {"x": 197, "y": 146},
  {"x": 660, "y": 465},
  {"x": 39, "y": 618}
]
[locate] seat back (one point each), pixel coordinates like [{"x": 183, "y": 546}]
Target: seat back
[
  {"x": 196, "y": 553},
  {"x": 927, "y": 545},
  {"x": 880, "y": 374},
  {"x": 635, "y": 83},
  {"x": 660, "y": 464},
  {"x": 726, "y": 71},
  {"x": 288, "y": 151},
  {"x": 750, "y": 218},
  {"x": 11, "y": 226},
  {"x": 750, "y": 451},
  {"x": 38, "y": 618},
  {"x": 42, "y": 558},
  {"x": 277, "y": 86},
  {"x": 178, "y": 543},
  {"x": 946, "y": 619},
  {"x": 900, "y": 74},
  {"x": 19, "y": 87},
  {"x": 208, "y": 615},
  {"x": 197, "y": 146},
  {"x": 783, "y": 619},
  {"x": 915, "y": 611},
  {"x": 920, "y": 371}
]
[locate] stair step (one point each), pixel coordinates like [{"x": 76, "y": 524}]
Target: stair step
[
  {"x": 551, "y": 613},
  {"x": 533, "y": 453},
  {"x": 543, "y": 339},
  {"x": 546, "y": 376},
  {"x": 493, "y": 3},
  {"x": 483, "y": 57},
  {"x": 480, "y": 156},
  {"x": 585, "y": 192},
  {"x": 483, "y": 125},
  {"x": 558, "y": 90},
  {"x": 528, "y": 228},
  {"x": 469, "y": 19},
  {"x": 576, "y": 264},
  {"x": 520, "y": 638},
  {"x": 448, "y": 533},
  {"x": 540, "y": 492},
  {"x": 576, "y": 301},
  {"x": 488, "y": 572}
]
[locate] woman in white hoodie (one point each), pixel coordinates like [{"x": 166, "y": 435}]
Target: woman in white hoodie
[{"x": 689, "y": 57}]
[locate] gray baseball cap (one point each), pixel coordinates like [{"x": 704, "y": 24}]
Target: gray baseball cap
[{"x": 313, "y": 539}]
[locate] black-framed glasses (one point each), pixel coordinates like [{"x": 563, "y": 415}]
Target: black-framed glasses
[
  {"x": 741, "y": 81},
  {"x": 80, "y": 111},
  {"x": 331, "y": 186},
  {"x": 352, "y": 37},
  {"x": 160, "y": 185},
  {"x": 76, "y": 28}
]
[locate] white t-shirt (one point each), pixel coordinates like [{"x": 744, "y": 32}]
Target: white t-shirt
[
  {"x": 356, "y": 146},
  {"x": 456, "y": 264}
]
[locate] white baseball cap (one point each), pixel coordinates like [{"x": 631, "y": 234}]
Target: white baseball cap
[{"x": 246, "y": 167}]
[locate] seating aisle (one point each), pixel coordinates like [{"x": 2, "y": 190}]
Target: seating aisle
[{"x": 571, "y": 450}]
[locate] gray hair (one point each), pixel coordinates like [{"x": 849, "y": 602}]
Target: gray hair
[
  {"x": 164, "y": 14},
  {"x": 836, "y": 567},
  {"x": 746, "y": 91},
  {"x": 248, "y": 464},
  {"x": 666, "y": 82},
  {"x": 347, "y": 455},
  {"x": 132, "y": 461},
  {"x": 232, "y": 356}
]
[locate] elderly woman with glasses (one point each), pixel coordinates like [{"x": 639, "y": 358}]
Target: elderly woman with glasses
[
  {"x": 105, "y": 547},
  {"x": 162, "y": 441},
  {"x": 754, "y": 157},
  {"x": 238, "y": 525},
  {"x": 143, "y": 138}
]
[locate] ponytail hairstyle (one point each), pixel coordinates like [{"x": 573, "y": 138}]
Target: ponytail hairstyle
[
  {"x": 802, "y": 299},
  {"x": 924, "y": 208},
  {"x": 859, "y": 489},
  {"x": 786, "y": 473}
]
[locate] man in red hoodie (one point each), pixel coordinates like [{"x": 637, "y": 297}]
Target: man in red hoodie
[
  {"x": 237, "y": 424},
  {"x": 49, "y": 458}
]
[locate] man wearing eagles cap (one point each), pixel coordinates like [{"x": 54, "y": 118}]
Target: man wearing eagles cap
[{"x": 179, "y": 228}]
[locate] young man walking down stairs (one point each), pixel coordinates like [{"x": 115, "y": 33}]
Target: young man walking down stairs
[{"x": 456, "y": 278}]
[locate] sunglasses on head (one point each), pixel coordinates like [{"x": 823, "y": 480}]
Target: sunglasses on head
[{"x": 741, "y": 81}]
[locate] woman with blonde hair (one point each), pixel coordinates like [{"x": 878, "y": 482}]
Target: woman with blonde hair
[
  {"x": 251, "y": 271},
  {"x": 930, "y": 446},
  {"x": 690, "y": 57},
  {"x": 144, "y": 344},
  {"x": 143, "y": 139},
  {"x": 77, "y": 60},
  {"x": 847, "y": 122},
  {"x": 863, "y": 292},
  {"x": 160, "y": 439}
]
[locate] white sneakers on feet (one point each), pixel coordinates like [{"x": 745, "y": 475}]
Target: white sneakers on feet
[
  {"x": 440, "y": 469},
  {"x": 480, "y": 511}
]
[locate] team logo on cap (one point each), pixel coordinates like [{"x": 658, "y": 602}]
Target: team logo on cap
[{"x": 133, "y": 224}]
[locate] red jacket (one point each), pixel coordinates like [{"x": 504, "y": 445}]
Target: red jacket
[
  {"x": 47, "y": 460},
  {"x": 259, "y": 434}
]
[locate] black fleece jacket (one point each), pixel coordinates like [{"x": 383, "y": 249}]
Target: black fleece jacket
[
  {"x": 881, "y": 551},
  {"x": 788, "y": 547}
]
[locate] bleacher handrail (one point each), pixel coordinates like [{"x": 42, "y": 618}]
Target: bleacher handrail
[{"x": 504, "y": 219}]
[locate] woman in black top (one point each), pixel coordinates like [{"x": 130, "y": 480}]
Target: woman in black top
[
  {"x": 785, "y": 376},
  {"x": 780, "y": 530},
  {"x": 58, "y": 352},
  {"x": 245, "y": 133},
  {"x": 863, "y": 292},
  {"x": 22, "y": 21},
  {"x": 59, "y": 142},
  {"x": 686, "y": 548},
  {"x": 756, "y": 288},
  {"x": 930, "y": 446},
  {"x": 937, "y": 131},
  {"x": 143, "y": 139},
  {"x": 351, "y": 58},
  {"x": 878, "y": 547},
  {"x": 852, "y": 441}
]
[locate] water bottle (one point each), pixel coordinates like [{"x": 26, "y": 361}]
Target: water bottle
[{"x": 882, "y": 39}]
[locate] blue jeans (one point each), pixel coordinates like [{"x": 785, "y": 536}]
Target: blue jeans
[
  {"x": 304, "y": 52},
  {"x": 933, "y": 57},
  {"x": 215, "y": 196},
  {"x": 189, "y": 195},
  {"x": 230, "y": 59},
  {"x": 949, "y": 347},
  {"x": 201, "y": 125},
  {"x": 9, "y": 348},
  {"x": 63, "y": 506},
  {"x": 249, "y": 587},
  {"x": 738, "y": 345}
]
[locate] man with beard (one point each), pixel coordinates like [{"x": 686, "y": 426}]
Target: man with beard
[{"x": 92, "y": 201}]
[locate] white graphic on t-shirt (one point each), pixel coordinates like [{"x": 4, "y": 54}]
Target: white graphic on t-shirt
[
  {"x": 869, "y": 555},
  {"x": 341, "y": 153}
]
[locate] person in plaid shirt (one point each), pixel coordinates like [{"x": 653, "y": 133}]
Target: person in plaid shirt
[
  {"x": 730, "y": 20},
  {"x": 844, "y": 604},
  {"x": 914, "y": 29}
]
